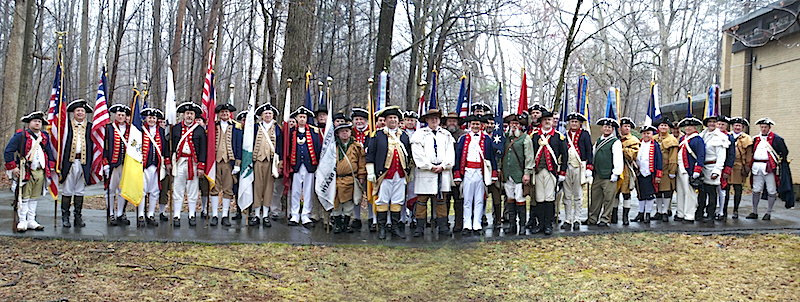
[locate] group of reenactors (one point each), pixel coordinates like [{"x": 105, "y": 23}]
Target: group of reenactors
[{"x": 416, "y": 166}]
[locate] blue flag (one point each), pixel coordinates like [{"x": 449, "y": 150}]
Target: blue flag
[
  {"x": 498, "y": 139},
  {"x": 461, "y": 106}
]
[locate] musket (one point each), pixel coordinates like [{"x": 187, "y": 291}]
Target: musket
[{"x": 18, "y": 191}]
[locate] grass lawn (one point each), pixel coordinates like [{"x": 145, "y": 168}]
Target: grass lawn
[{"x": 639, "y": 266}]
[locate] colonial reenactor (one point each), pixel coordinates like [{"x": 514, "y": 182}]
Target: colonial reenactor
[
  {"x": 723, "y": 124},
  {"x": 517, "y": 168},
  {"x": 741, "y": 164},
  {"x": 229, "y": 159},
  {"x": 203, "y": 182},
  {"x": 534, "y": 123},
  {"x": 117, "y": 134},
  {"x": 154, "y": 150},
  {"x": 453, "y": 124},
  {"x": 304, "y": 157},
  {"x": 189, "y": 157},
  {"x": 649, "y": 172},
  {"x": 630, "y": 147},
  {"x": 495, "y": 189},
  {"x": 691, "y": 157},
  {"x": 550, "y": 168},
  {"x": 340, "y": 119},
  {"x": 350, "y": 173},
  {"x": 669, "y": 165},
  {"x": 34, "y": 146},
  {"x": 360, "y": 130},
  {"x": 534, "y": 114},
  {"x": 473, "y": 151},
  {"x": 769, "y": 151},
  {"x": 579, "y": 169},
  {"x": 716, "y": 144},
  {"x": 434, "y": 158},
  {"x": 410, "y": 121},
  {"x": 388, "y": 157},
  {"x": 267, "y": 145},
  {"x": 76, "y": 161},
  {"x": 480, "y": 108},
  {"x": 321, "y": 117},
  {"x": 166, "y": 182},
  {"x": 608, "y": 166},
  {"x": 241, "y": 117}
]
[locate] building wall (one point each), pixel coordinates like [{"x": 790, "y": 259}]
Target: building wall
[{"x": 775, "y": 89}]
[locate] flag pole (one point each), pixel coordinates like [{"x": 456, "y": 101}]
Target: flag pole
[{"x": 58, "y": 120}]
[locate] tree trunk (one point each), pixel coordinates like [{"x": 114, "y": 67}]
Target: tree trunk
[
  {"x": 26, "y": 74},
  {"x": 297, "y": 50},
  {"x": 11, "y": 76},
  {"x": 175, "y": 54},
  {"x": 83, "y": 65},
  {"x": 417, "y": 30},
  {"x": 98, "y": 38},
  {"x": 383, "y": 51},
  {"x": 351, "y": 32},
  {"x": 117, "y": 45}
]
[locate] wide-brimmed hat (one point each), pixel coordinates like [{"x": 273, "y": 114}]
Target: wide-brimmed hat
[
  {"x": 153, "y": 112},
  {"x": 225, "y": 106},
  {"x": 689, "y": 121},
  {"x": 430, "y": 113},
  {"x": 190, "y": 106},
  {"x": 765, "y": 121},
  {"x": 515, "y": 117},
  {"x": 302, "y": 110},
  {"x": 341, "y": 116},
  {"x": 79, "y": 103},
  {"x": 36, "y": 115},
  {"x": 740, "y": 120},
  {"x": 546, "y": 113},
  {"x": 265, "y": 107},
  {"x": 607, "y": 122},
  {"x": 708, "y": 118},
  {"x": 665, "y": 120},
  {"x": 452, "y": 115},
  {"x": 627, "y": 121},
  {"x": 121, "y": 108},
  {"x": 576, "y": 116}
]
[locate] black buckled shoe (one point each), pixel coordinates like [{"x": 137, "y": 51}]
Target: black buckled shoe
[
  {"x": 266, "y": 222},
  {"x": 65, "y": 221},
  {"x": 176, "y": 222},
  {"x": 226, "y": 221},
  {"x": 123, "y": 220},
  {"x": 566, "y": 226},
  {"x": 151, "y": 221},
  {"x": 766, "y": 217},
  {"x": 735, "y": 215},
  {"x": 192, "y": 221},
  {"x": 253, "y": 221},
  {"x": 163, "y": 217},
  {"x": 752, "y": 216},
  {"x": 214, "y": 221},
  {"x": 140, "y": 223}
]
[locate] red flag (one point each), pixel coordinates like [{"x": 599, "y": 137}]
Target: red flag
[
  {"x": 209, "y": 104},
  {"x": 523, "y": 94}
]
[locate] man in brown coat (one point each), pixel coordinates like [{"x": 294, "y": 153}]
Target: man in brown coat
[
  {"x": 741, "y": 165},
  {"x": 350, "y": 167},
  {"x": 669, "y": 157}
]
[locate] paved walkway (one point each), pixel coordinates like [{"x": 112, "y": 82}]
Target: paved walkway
[{"x": 96, "y": 229}]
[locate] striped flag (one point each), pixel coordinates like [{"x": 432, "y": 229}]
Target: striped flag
[
  {"x": 462, "y": 107},
  {"x": 209, "y": 104},
  {"x": 712, "y": 107},
  {"x": 246, "y": 177},
  {"x": 99, "y": 122},
  {"x": 57, "y": 113},
  {"x": 582, "y": 105},
  {"x": 132, "y": 181},
  {"x": 654, "y": 106},
  {"x": 523, "y": 94}
]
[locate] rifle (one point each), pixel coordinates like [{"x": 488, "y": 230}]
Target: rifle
[{"x": 18, "y": 190}]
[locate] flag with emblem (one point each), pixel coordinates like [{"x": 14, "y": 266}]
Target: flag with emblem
[
  {"x": 246, "y": 177},
  {"x": 325, "y": 176},
  {"x": 498, "y": 139},
  {"x": 132, "y": 182}
]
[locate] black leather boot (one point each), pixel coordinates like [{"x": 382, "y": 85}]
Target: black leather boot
[
  {"x": 337, "y": 224},
  {"x": 512, "y": 223},
  {"x": 639, "y": 217},
  {"x": 444, "y": 228},
  {"x": 346, "y": 224},
  {"x": 65, "y": 204},
  {"x": 647, "y": 218},
  {"x": 238, "y": 215},
  {"x": 420, "y": 229},
  {"x": 396, "y": 226},
  {"x": 626, "y": 219},
  {"x": 356, "y": 225},
  {"x": 522, "y": 216},
  {"x": 226, "y": 221},
  {"x": 382, "y": 224},
  {"x": 538, "y": 215},
  {"x": 614, "y": 215},
  {"x": 548, "y": 213}
]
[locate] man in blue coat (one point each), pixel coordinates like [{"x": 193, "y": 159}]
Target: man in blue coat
[
  {"x": 550, "y": 168},
  {"x": 40, "y": 165},
  {"x": 388, "y": 162},
  {"x": 472, "y": 150},
  {"x": 691, "y": 158},
  {"x": 76, "y": 161},
  {"x": 305, "y": 147}
]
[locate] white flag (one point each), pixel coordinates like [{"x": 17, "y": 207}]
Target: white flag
[
  {"x": 171, "y": 109},
  {"x": 246, "y": 176},
  {"x": 325, "y": 176}
]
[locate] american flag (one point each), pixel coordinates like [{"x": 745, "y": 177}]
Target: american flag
[
  {"x": 57, "y": 113},
  {"x": 99, "y": 122},
  {"x": 209, "y": 104}
]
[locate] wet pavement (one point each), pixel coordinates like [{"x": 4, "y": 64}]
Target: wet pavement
[{"x": 783, "y": 220}]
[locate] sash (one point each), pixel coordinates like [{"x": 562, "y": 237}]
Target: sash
[
  {"x": 275, "y": 160},
  {"x": 573, "y": 149},
  {"x": 175, "y": 154},
  {"x": 161, "y": 171},
  {"x": 35, "y": 147}
]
